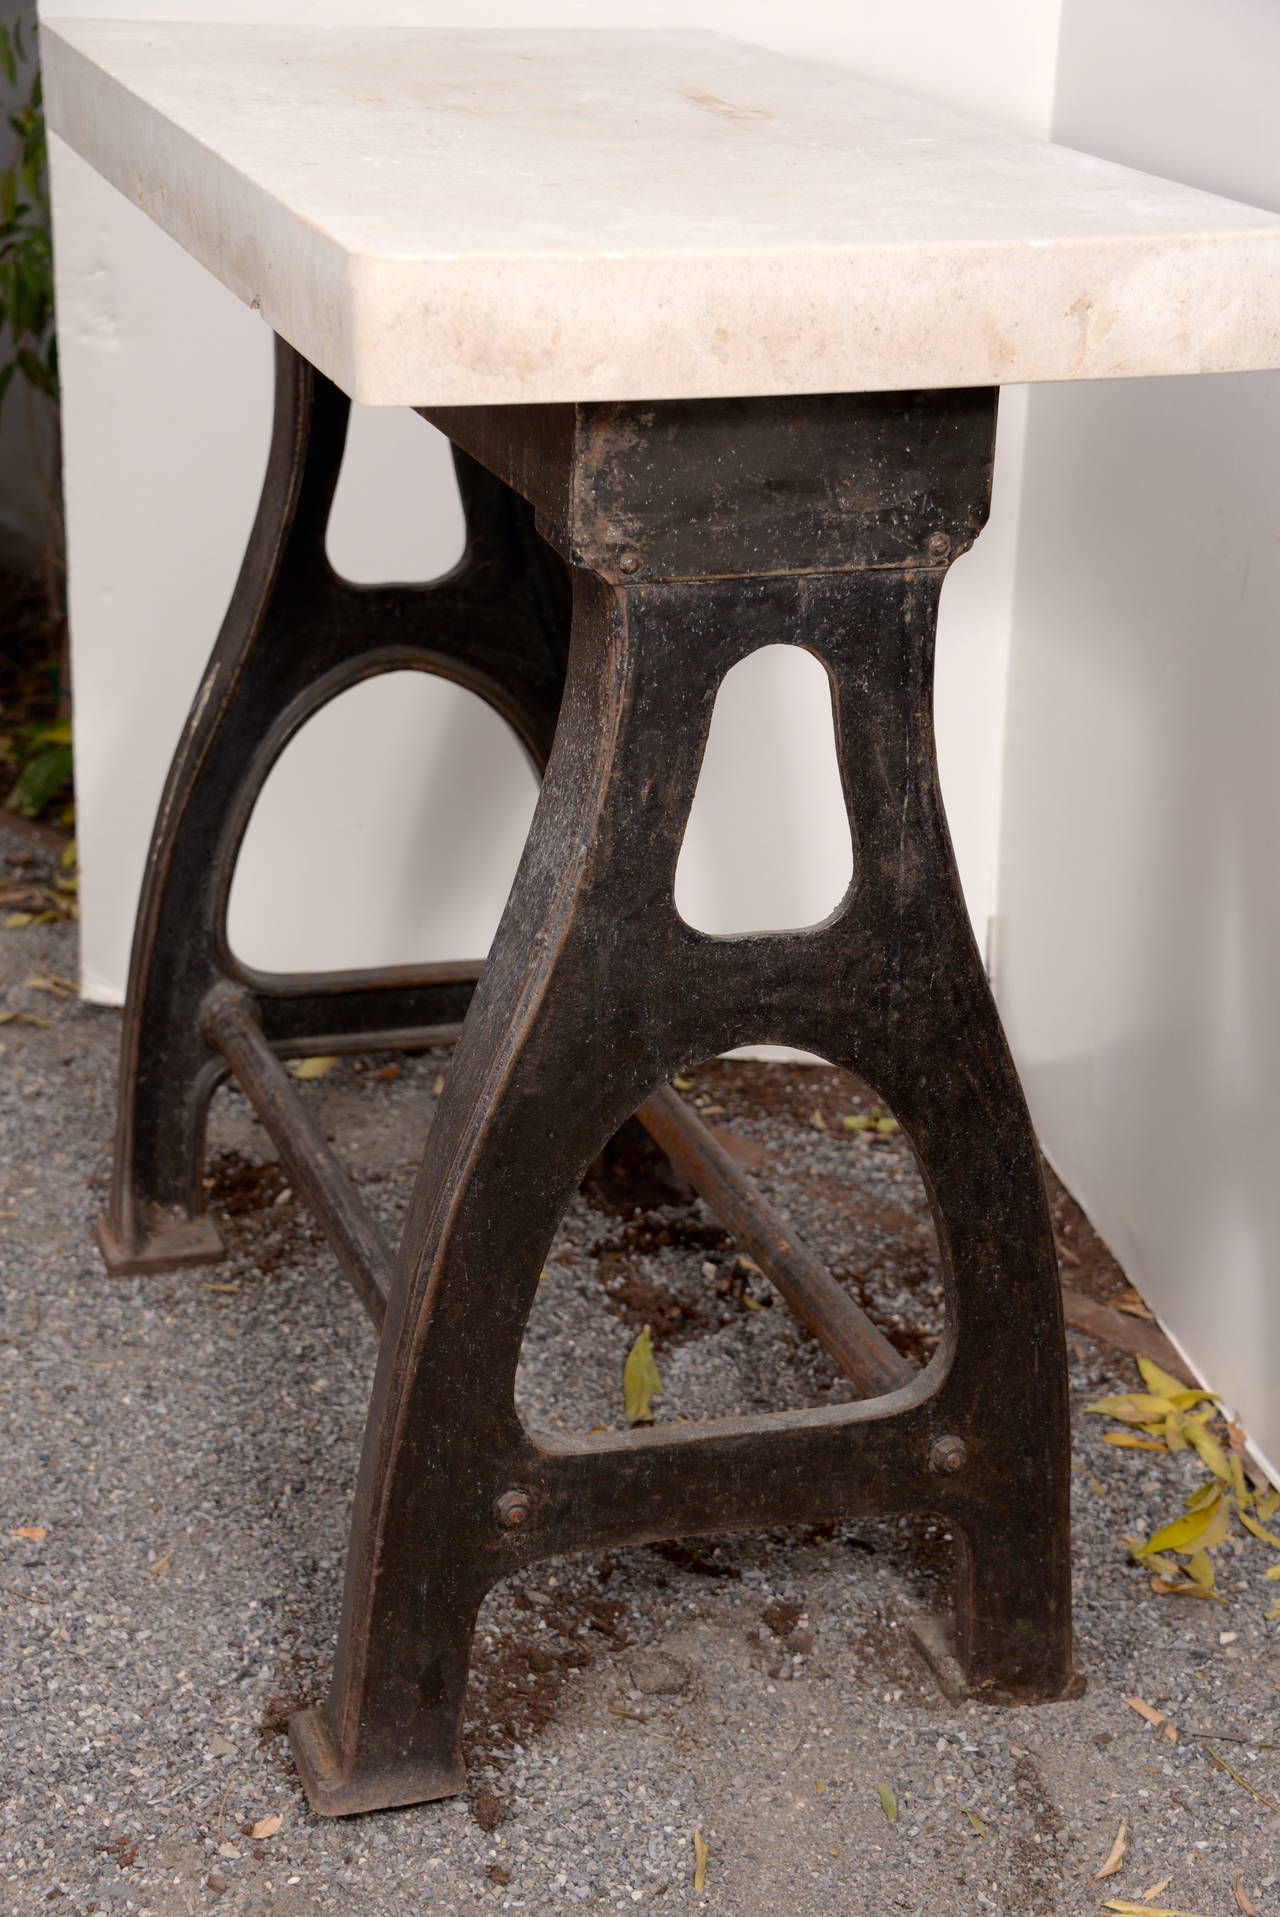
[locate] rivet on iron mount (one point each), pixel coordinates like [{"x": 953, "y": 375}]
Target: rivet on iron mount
[
  {"x": 947, "y": 1455},
  {"x": 629, "y": 562},
  {"x": 514, "y": 1507},
  {"x": 937, "y": 545}
]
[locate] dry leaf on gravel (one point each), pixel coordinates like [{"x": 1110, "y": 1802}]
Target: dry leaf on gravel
[
  {"x": 1145, "y": 1910},
  {"x": 888, "y": 1803},
  {"x": 1149, "y": 1896},
  {"x": 313, "y": 1067},
  {"x": 700, "y": 1855},
  {"x": 1149, "y": 1711},
  {"x": 1133, "y": 1407},
  {"x": 640, "y": 1380},
  {"x": 1182, "y": 1587},
  {"x": 162, "y": 1566},
  {"x": 1115, "y": 1856},
  {"x": 35, "y": 1532},
  {"x": 1260, "y": 1531},
  {"x": 267, "y": 1826},
  {"x": 51, "y": 982},
  {"x": 1243, "y": 1898}
]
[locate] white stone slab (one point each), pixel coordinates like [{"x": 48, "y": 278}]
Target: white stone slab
[{"x": 465, "y": 217}]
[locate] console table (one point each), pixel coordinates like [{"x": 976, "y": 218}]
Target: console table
[{"x": 716, "y": 336}]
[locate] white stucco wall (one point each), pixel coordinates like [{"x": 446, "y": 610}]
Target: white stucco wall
[
  {"x": 392, "y": 828},
  {"x": 1140, "y": 886}
]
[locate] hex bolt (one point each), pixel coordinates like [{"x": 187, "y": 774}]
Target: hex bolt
[
  {"x": 937, "y": 545},
  {"x": 629, "y": 562},
  {"x": 514, "y": 1508},
  {"x": 947, "y": 1455}
]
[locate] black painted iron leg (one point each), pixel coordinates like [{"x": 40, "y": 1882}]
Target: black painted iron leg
[
  {"x": 168, "y": 1072},
  {"x": 696, "y": 532},
  {"x": 595, "y": 994},
  {"x": 294, "y": 637}
]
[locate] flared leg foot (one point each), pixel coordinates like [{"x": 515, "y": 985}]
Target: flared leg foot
[
  {"x": 336, "y": 1790},
  {"x": 168, "y": 1241}
]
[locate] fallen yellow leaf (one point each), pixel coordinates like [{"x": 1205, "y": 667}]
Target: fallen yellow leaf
[
  {"x": 1211, "y": 1452},
  {"x": 1199, "y": 1530},
  {"x": 1260, "y": 1531},
  {"x": 1133, "y": 1442},
  {"x": 1200, "y": 1570},
  {"x": 267, "y": 1826},
  {"x": 50, "y": 982},
  {"x": 1149, "y": 1895},
  {"x": 35, "y": 1532},
  {"x": 700, "y": 1855},
  {"x": 888, "y": 1803},
  {"x": 1133, "y": 1407},
  {"x": 313, "y": 1067},
  {"x": 1115, "y": 1856},
  {"x": 1184, "y": 1587},
  {"x": 1243, "y": 1898},
  {"x": 1144, "y": 1910},
  {"x": 640, "y": 1380},
  {"x": 1156, "y": 1379}
]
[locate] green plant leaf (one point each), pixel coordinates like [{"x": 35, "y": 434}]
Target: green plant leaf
[
  {"x": 40, "y": 780},
  {"x": 888, "y": 1803}
]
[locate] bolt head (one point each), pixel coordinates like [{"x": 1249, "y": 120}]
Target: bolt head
[
  {"x": 948, "y": 1455},
  {"x": 514, "y": 1508},
  {"x": 937, "y": 545},
  {"x": 629, "y": 562}
]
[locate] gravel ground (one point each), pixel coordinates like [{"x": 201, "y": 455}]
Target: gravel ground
[{"x": 180, "y": 1451}]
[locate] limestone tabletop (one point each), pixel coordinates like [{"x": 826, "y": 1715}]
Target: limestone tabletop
[{"x": 461, "y": 217}]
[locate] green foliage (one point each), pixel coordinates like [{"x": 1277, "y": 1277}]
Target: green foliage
[
  {"x": 26, "y": 249},
  {"x": 46, "y": 767}
]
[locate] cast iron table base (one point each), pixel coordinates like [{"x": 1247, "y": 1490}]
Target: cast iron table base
[{"x": 621, "y": 558}]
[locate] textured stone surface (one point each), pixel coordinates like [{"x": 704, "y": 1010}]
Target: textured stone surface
[{"x": 462, "y": 217}]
